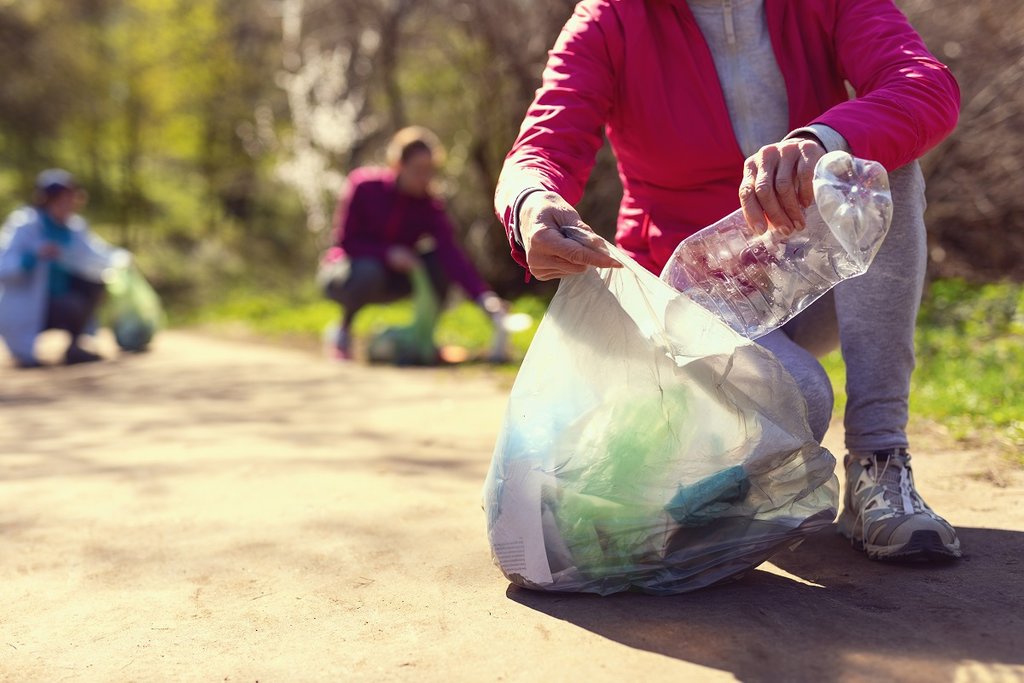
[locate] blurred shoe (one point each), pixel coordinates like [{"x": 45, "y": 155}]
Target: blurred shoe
[
  {"x": 884, "y": 515},
  {"x": 76, "y": 355},
  {"x": 341, "y": 348},
  {"x": 339, "y": 354}
]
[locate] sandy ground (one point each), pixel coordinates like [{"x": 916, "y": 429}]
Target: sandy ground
[{"x": 221, "y": 511}]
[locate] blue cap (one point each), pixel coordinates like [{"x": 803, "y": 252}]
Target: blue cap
[{"x": 53, "y": 180}]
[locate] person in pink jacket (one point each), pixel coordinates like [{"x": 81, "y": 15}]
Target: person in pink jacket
[
  {"x": 387, "y": 221},
  {"x": 714, "y": 104}
]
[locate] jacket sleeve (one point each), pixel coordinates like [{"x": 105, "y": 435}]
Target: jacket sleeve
[
  {"x": 95, "y": 246},
  {"x": 352, "y": 232},
  {"x": 563, "y": 129},
  {"x": 907, "y": 101},
  {"x": 453, "y": 260}
]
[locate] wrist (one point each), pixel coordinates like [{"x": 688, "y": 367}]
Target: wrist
[
  {"x": 829, "y": 138},
  {"x": 515, "y": 222},
  {"x": 809, "y": 137}
]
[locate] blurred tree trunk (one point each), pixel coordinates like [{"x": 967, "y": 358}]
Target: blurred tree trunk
[{"x": 391, "y": 22}]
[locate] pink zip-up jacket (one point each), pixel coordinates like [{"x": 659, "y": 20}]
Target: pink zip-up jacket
[
  {"x": 641, "y": 71},
  {"x": 373, "y": 215}
]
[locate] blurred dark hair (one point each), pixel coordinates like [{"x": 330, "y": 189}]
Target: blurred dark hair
[{"x": 413, "y": 140}]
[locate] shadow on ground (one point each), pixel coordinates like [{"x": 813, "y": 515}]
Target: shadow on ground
[{"x": 847, "y": 618}]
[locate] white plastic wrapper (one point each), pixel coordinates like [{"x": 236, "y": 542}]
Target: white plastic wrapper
[
  {"x": 647, "y": 446},
  {"x": 756, "y": 283}
]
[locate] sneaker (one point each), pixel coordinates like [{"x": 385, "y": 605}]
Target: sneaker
[
  {"x": 76, "y": 355},
  {"x": 340, "y": 348},
  {"x": 884, "y": 516},
  {"x": 342, "y": 355}
]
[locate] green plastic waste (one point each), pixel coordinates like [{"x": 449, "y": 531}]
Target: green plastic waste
[
  {"x": 611, "y": 514},
  {"x": 709, "y": 499},
  {"x": 411, "y": 344},
  {"x": 132, "y": 308}
]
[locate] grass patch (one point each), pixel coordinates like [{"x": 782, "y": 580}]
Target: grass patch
[
  {"x": 970, "y": 373},
  {"x": 306, "y": 315},
  {"x": 970, "y": 341},
  {"x": 970, "y": 363}
]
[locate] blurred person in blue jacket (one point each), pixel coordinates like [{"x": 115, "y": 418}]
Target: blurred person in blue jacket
[{"x": 50, "y": 271}]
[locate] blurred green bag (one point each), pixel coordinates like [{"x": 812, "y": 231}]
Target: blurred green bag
[
  {"x": 411, "y": 344},
  {"x": 132, "y": 309}
]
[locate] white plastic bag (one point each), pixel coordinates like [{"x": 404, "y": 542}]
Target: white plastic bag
[{"x": 647, "y": 446}]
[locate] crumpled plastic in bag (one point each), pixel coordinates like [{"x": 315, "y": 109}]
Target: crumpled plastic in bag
[{"x": 648, "y": 447}]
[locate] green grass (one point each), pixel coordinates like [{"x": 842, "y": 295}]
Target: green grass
[
  {"x": 970, "y": 362},
  {"x": 305, "y": 316},
  {"x": 970, "y": 341},
  {"x": 970, "y": 373}
]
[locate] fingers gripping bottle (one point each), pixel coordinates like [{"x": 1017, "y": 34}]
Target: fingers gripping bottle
[{"x": 756, "y": 283}]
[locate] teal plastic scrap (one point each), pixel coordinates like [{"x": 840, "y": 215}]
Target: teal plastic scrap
[{"x": 709, "y": 498}]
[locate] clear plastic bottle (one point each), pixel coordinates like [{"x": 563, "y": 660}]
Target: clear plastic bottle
[{"x": 756, "y": 283}]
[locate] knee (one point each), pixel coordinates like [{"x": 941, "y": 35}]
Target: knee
[
  {"x": 907, "y": 187},
  {"x": 820, "y": 398},
  {"x": 907, "y": 183},
  {"x": 819, "y": 340},
  {"x": 816, "y": 328},
  {"x": 357, "y": 287},
  {"x": 810, "y": 377}
]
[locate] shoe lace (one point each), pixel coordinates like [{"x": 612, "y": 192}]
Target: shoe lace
[{"x": 897, "y": 486}]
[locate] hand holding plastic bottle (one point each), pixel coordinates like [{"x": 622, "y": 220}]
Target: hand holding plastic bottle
[
  {"x": 778, "y": 184},
  {"x": 550, "y": 253},
  {"x": 756, "y": 280}
]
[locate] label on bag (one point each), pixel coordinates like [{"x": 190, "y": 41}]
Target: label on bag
[{"x": 517, "y": 536}]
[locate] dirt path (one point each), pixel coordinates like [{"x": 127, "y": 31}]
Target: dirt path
[{"x": 218, "y": 511}]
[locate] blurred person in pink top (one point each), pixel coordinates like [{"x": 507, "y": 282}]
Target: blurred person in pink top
[
  {"x": 387, "y": 221},
  {"x": 713, "y": 104}
]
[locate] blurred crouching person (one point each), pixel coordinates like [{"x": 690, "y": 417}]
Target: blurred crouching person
[
  {"x": 389, "y": 221},
  {"x": 50, "y": 271}
]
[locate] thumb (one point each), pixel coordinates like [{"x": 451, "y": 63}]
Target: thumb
[{"x": 590, "y": 248}]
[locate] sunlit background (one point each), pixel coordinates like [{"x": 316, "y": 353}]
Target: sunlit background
[{"x": 212, "y": 136}]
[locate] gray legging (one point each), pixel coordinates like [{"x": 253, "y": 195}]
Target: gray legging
[
  {"x": 872, "y": 319},
  {"x": 369, "y": 281},
  {"x": 73, "y": 310}
]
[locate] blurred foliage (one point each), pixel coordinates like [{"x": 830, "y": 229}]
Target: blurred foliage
[
  {"x": 976, "y": 211},
  {"x": 211, "y": 133},
  {"x": 141, "y": 101}
]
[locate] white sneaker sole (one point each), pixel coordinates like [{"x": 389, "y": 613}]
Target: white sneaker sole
[{"x": 923, "y": 545}]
